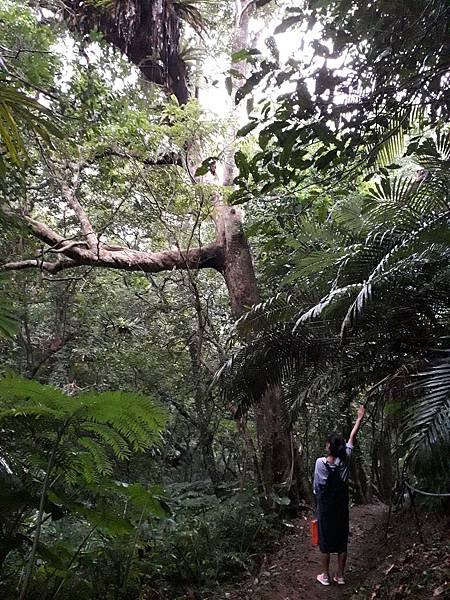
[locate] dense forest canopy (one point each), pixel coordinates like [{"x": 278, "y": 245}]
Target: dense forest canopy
[{"x": 223, "y": 225}]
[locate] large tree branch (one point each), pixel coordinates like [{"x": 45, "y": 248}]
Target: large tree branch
[
  {"x": 169, "y": 159},
  {"x": 210, "y": 256},
  {"x": 85, "y": 224},
  {"x": 45, "y": 233},
  {"x": 47, "y": 266},
  {"x": 70, "y": 195}
]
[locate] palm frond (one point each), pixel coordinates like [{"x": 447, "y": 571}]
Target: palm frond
[
  {"x": 19, "y": 112},
  {"x": 266, "y": 314},
  {"x": 8, "y": 322},
  {"x": 391, "y": 136},
  {"x": 427, "y": 419},
  {"x": 187, "y": 11},
  {"x": 271, "y": 359},
  {"x": 408, "y": 245}
]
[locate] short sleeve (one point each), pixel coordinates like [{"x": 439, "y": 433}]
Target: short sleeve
[
  {"x": 320, "y": 474},
  {"x": 348, "y": 449}
]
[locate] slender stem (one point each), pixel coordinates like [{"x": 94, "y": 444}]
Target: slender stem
[
  {"x": 37, "y": 532},
  {"x": 72, "y": 560},
  {"x": 133, "y": 548}
]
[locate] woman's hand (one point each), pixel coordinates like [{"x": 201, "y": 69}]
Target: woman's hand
[{"x": 361, "y": 412}]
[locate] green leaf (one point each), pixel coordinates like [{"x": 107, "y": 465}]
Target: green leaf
[
  {"x": 323, "y": 161},
  {"x": 244, "y": 54},
  {"x": 206, "y": 166},
  {"x": 287, "y": 23},
  {"x": 103, "y": 518},
  {"x": 242, "y": 164},
  {"x": 247, "y": 128}
]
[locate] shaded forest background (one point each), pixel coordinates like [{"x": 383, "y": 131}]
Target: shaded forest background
[{"x": 213, "y": 248}]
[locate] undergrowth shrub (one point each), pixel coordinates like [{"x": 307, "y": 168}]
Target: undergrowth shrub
[{"x": 208, "y": 542}]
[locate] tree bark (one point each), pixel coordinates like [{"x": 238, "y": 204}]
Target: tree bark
[
  {"x": 275, "y": 446},
  {"x": 359, "y": 477},
  {"x": 148, "y": 33},
  {"x": 202, "y": 418},
  {"x": 115, "y": 257},
  {"x": 385, "y": 458}
]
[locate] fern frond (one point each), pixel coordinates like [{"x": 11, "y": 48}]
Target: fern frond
[
  {"x": 120, "y": 422},
  {"x": 110, "y": 438},
  {"x": 22, "y": 397},
  {"x": 133, "y": 416},
  {"x": 95, "y": 459}
]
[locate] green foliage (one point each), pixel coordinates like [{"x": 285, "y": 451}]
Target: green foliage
[
  {"x": 428, "y": 416},
  {"x": 350, "y": 241},
  {"x": 18, "y": 112},
  {"x": 332, "y": 117},
  {"x": 8, "y": 320},
  {"x": 28, "y": 67},
  {"x": 94, "y": 422},
  {"x": 26, "y": 41},
  {"x": 63, "y": 461},
  {"x": 361, "y": 330},
  {"x": 208, "y": 542}
]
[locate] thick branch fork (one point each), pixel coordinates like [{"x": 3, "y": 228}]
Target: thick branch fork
[{"x": 91, "y": 252}]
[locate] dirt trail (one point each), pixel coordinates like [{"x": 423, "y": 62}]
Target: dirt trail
[{"x": 290, "y": 573}]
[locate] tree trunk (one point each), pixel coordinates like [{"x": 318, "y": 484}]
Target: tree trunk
[
  {"x": 209, "y": 459},
  {"x": 385, "y": 459},
  {"x": 358, "y": 476},
  {"x": 202, "y": 418},
  {"x": 274, "y": 440}
]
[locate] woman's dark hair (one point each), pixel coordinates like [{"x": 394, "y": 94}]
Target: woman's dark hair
[{"x": 337, "y": 445}]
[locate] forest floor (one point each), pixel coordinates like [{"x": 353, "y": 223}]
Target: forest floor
[{"x": 378, "y": 567}]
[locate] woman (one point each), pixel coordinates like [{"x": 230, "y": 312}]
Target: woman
[{"x": 331, "y": 492}]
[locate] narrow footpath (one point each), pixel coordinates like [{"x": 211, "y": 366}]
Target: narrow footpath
[{"x": 290, "y": 572}]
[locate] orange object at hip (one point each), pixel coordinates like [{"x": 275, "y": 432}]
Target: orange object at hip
[{"x": 315, "y": 532}]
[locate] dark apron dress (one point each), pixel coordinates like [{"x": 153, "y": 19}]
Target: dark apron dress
[{"x": 332, "y": 509}]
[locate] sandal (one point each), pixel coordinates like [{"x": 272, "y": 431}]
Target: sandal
[{"x": 323, "y": 579}]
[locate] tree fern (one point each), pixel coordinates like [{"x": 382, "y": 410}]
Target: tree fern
[
  {"x": 72, "y": 442},
  {"x": 115, "y": 423}
]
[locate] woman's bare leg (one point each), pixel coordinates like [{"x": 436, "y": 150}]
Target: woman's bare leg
[
  {"x": 325, "y": 560},
  {"x": 342, "y": 559}
]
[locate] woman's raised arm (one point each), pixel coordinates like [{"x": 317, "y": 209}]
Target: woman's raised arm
[{"x": 357, "y": 425}]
